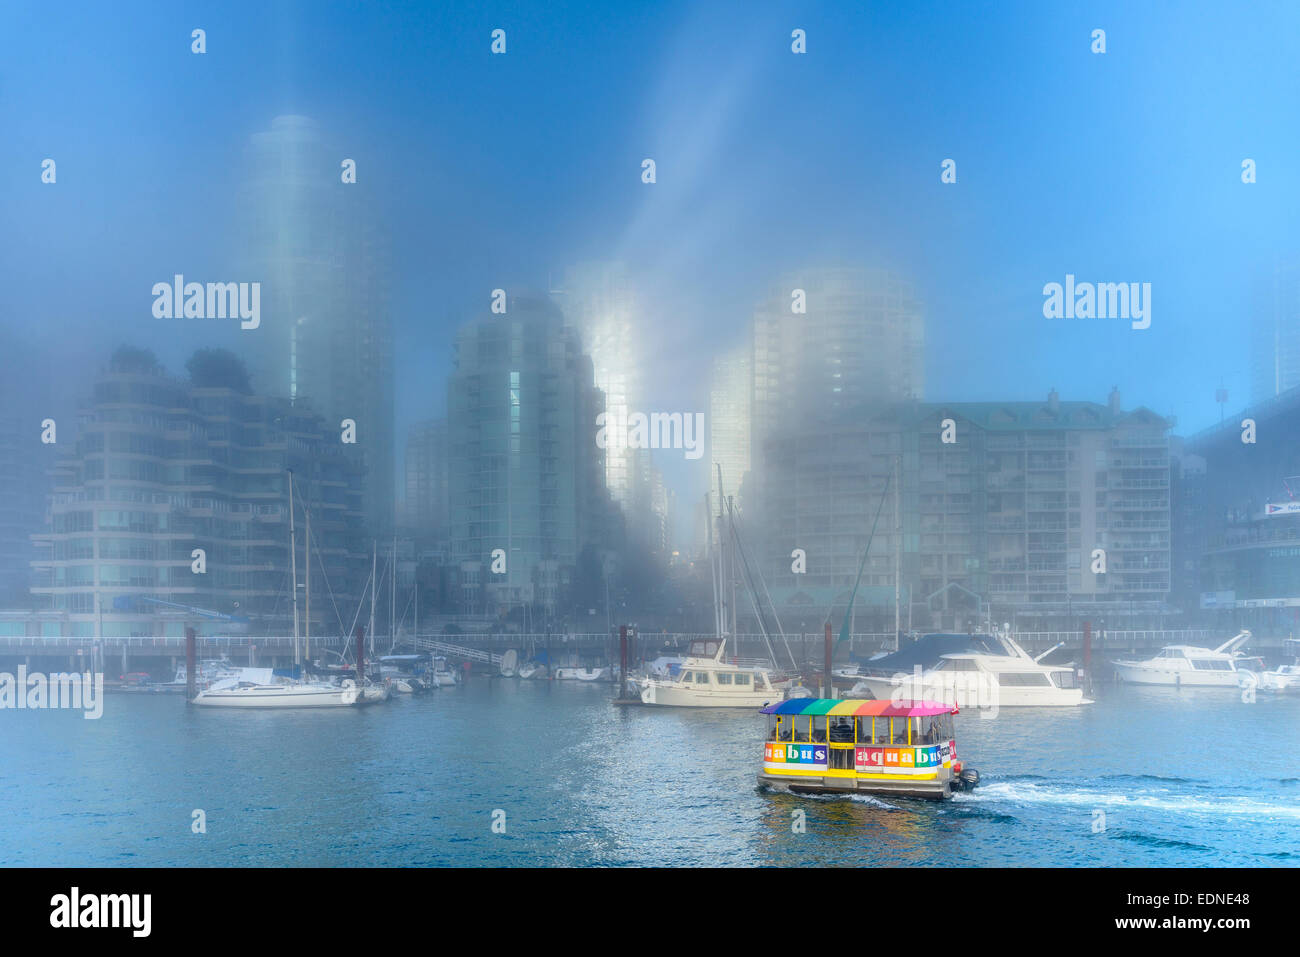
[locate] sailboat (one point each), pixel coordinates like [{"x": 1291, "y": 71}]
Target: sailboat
[
  {"x": 261, "y": 687},
  {"x": 706, "y": 679}
]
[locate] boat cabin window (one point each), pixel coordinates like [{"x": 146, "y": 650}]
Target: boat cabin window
[
  {"x": 935, "y": 730},
  {"x": 701, "y": 677},
  {"x": 959, "y": 664},
  {"x": 740, "y": 679},
  {"x": 1023, "y": 679},
  {"x": 722, "y": 678},
  {"x": 1211, "y": 664},
  {"x": 1171, "y": 653},
  {"x": 686, "y": 676},
  {"x": 841, "y": 730}
]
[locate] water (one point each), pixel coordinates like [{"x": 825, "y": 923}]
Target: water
[{"x": 1184, "y": 778}]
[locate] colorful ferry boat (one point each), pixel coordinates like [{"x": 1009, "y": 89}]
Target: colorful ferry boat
[{"x": 855, "y": 745}]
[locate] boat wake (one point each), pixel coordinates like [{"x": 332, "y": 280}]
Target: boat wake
[{"x": 1164, "y": 799}]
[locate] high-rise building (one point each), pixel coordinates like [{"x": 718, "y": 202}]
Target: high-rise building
[
  {"x": 598, "y": 301},
  {"x": 649, "y": 506},
  {"x": 25, "y": 407},
  {"x": 1243, "y": 520},
  {"x": 860, "y": 339},
  {"x": 325, "y": 337},
  {"x": 163, "y": 466},
  {"x": 426, "y": 480},
  {"x": 526, "y": 483},
  {"x": 1005, "y": 520},
  {"x": 1275, "y": 333},
  {"x": 729, "y": 402}
]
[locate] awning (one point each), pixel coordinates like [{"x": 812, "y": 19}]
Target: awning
[{"x": 859, "y": 707}]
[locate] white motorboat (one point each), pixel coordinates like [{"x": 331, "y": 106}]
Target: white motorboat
[
  {"x": 1284, "y": 678},
  {"x": 206, "y": 672},
  {"x": 373, "y": 692},
  {"x": 510, "y": 664},
  {"x": 1188, "y": 666},
  {"x": 532, "y": 669},
  {"x": 444, "y": 675},
  {"x": 1014, "y": 679},
  {"x": 408, "y": 673},
  {"x": 260, "y": 688},
  {"x": 707, "y": 681},
  {"x": 582, "y": 674}
]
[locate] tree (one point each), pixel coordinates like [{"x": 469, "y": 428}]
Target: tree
[
  {"x": 218, "y": 368},
  {"x": 133, "y": 359}
]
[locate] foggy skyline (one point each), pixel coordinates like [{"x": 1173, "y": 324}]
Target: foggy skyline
[{"x": 504, "y": 171}]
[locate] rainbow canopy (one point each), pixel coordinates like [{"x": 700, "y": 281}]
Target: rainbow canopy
[{"x": 859, "y": 707}]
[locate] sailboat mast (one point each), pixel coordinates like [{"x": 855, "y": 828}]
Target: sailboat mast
[
  {"x": 306, "y": 554},
  {"x": 724, "y": 577},
  {"x": 713, "y": 569},
  {"x": 898, "y": 553},
  {"x": 293, "y": 567},
  {"x": 392, "y": 601},
  {"x": 735, "y": 574},
  {"x": 374, "y": 586}
]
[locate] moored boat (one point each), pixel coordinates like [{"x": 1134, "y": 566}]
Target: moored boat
[
  {"x": 582, "y": 674},
  {"x": 863, "y": 746},
  {"x": 259, "y": 688},
  {"x": 1188, "y": 666},
  {"x": 444, "y": 675},
  {"x": 706, "y": 680},
  {"x": 1284, "y": 678}
]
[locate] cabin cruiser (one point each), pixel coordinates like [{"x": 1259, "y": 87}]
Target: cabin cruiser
[
  {"x": 1188, "y": 666},
  {"x": 663, "y": 668},
  {"x": 996, "y": 672},
  {"x": 1283, "y": 678},
  {"x": 582, "y": 674},
  {"x": 444, "y": 675},
  {"x": 846, "y": 746},
  {"x": 261, "y": 688},
  {"x": 708, "y": 681},
  {"x": 207, "y": 671},
  {"x": 409, "y": 674}
]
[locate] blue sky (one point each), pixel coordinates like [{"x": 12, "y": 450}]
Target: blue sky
[{"x": 491, "y": 171}]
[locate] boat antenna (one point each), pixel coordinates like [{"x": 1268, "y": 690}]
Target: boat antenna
[{"x": 844, "y": 628}]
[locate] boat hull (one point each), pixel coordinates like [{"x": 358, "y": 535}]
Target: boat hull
[
  {"x": 1140, "y": 673},
  {"x": 325, "y": 698},
  {"x": 671, "y": 696},
  {"x": 986, "y": 694},
  {"x": 938, "y": 788}
]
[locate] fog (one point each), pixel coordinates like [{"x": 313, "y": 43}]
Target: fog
[{"x": 480, "y": 171}]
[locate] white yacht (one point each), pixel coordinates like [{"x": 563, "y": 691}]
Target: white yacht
[
  {"x": 582, "y": 674},
  {"x": 1283, "y": 678},
  {"x": 444, "y": 675},
  {"x": 707, "y": 681},
  {"x": 974, "y": 679},
  {"x": 259, "y": 688},
  {"x": 1187, "y": 666},
  {"x": 207, "y": 671}
]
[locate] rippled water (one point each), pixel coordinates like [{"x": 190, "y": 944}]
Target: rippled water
[{"x": 1183, "y": 778}]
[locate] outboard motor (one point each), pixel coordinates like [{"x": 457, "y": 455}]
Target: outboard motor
[{"x": 969, "y": 778}]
